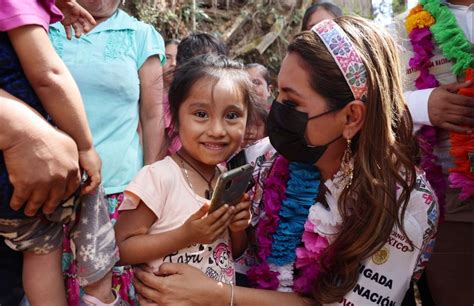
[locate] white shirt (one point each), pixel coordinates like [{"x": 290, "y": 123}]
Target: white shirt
[{"x": 417, "y": 100}]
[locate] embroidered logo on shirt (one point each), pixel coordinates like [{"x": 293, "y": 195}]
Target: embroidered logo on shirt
[{"x": 381, "y": 256}]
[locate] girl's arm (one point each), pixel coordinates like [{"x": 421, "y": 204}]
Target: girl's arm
[
  {"x": 168, "y": 289},
  {"x": 137, "y": 246},
  {"x": 58, "y": 93},
  {"x": 151, "y": 109},
  {"x": 52, "y": 82}
]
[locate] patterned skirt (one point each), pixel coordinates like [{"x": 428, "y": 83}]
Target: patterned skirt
[{"x": 122, "y": 276}]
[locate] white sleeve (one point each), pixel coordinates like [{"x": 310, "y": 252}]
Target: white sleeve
[{"x": 417, "y": 102}]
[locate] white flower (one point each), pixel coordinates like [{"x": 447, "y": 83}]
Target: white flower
[
  {"x": 327, "y": 221},
  {"x": 101, "y": 261},
  {"x": 285, "y": 276},
  {"x": 87, "y": 252}
]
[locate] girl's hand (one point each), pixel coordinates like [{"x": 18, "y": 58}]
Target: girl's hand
[
  {"x": 90, "y": 162},
  {"x": 242, "y": 215},
  {"x": 206, "y": 228},
  {"x": 75, "y": 16}
]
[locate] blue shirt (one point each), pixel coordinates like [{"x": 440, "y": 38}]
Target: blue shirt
[{"x": 105, "y": 64}]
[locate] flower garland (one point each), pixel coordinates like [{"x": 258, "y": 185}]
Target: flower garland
[
  {"x": 287, "y": 202},
  {"x": 425, "y": 21}
]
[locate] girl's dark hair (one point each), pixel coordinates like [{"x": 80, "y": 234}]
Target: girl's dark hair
[
  {"x": 264, "y": 72},
  {"x": 384, "y": 151},
  {"x": 327, "y": 6},
  {"x": 213, "y": 68},
  {"x": 198, "y": 44}
]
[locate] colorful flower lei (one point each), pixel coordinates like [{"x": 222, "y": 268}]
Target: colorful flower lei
[
  {"x": 287, "y": 202},
  {"x": 431, "y": 19}
]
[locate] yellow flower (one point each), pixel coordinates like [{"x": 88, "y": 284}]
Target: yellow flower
[{"x": 419, "y": 19}]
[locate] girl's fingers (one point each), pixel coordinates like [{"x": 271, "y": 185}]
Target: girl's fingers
[
  {"x": 221, "y": 222},
  {"x": 217, "y": 214}
]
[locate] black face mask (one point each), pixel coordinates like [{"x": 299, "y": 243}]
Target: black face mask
[{"x": 286, "y": 130}]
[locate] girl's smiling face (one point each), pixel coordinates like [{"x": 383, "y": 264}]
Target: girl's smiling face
[{"x": 212, "y": 120}]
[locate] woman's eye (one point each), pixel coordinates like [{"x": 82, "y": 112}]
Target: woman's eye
[
  {"x": 232, "y": 115},
  {"x": 256, "y": 82},
  {"x": 200, "y": 114}
]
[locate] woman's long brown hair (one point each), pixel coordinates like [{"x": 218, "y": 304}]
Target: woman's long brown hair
[{"x": 384, "y": 151}]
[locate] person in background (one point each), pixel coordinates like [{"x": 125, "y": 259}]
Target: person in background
[
  {"x": 117, "y": 66},
  {"x": 44, "y": 163},
  {"x": 319, "y": 11},
  {"x": 436, "y": 41},
  {"x": 262, "y": 81},
  {"x": 44, "y": 83},
  {"x": 257, "y": 128},
  {"x": 197, "y": 44},
  {"x": 341, "y": 213},
  {"x": 171, "y": 49}
]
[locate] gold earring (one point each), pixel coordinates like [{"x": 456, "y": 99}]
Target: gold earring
[{"x": 347, "y": 166}]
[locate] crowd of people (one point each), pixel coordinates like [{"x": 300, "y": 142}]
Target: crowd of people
[{"x": 114, "y": 139}]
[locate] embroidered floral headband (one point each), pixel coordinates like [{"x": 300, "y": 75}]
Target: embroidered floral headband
[{"x": 345, "y": 55}]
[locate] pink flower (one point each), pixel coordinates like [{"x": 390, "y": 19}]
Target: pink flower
[{"x": 263, "y": 278}]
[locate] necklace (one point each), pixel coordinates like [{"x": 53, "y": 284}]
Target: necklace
[{"x": 210, "y": 190}]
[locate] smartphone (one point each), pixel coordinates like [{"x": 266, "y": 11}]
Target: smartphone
[
  {"x": 238, "y": 160},
  {"x": 230, "y": 186}
]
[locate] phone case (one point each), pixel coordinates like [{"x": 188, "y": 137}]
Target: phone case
[{"x": 230, "y": 186}]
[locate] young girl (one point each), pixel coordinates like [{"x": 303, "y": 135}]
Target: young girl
[
  {"x": 344, "y": 217},
  {"x": 163, "y": 218}
]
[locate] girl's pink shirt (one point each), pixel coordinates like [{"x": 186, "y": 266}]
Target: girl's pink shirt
[{"x": 17, "y": 13}]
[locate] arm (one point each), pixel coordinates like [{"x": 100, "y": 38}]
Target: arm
[
  {"x": 57, "y": 91},
  {"x": 168, "y": 289},
  {"x": 137, "y": 246},
  {"x": 151, "y": 109},
  {"x": 52, "y": 82},
  {"x": 41, "y": 161}
]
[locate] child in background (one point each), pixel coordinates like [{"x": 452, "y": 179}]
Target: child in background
[
  {"x": 164, "y": 216},
  {"x": 171, "y": 49},
  {"x": 257, "y": 129},
  {"x": 261, "y": 80},
  {"x": 44, "y": 83}
]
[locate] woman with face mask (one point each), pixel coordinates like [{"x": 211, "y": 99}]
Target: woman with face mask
[{"x": 341, "y": 215}]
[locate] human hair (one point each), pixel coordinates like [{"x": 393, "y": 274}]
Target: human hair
[
  {"x": 212, "y": 68},
  {"x": 327, "y": 6},
  {"x": 198, "y": 44},
  {"x": 172, "y": 41},
  {"x": 262, "y": 70},
  {"x": 384, "y": 150}
]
